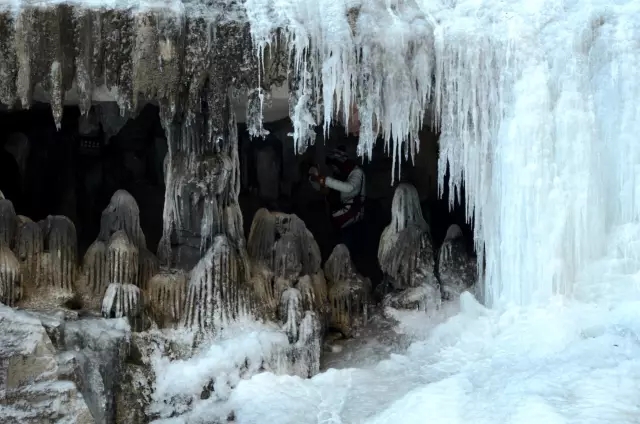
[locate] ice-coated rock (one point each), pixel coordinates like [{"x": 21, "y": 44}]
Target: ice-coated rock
[
  {"x": 122, "y": 259},
  {"x": 457, "y": 270},
  {"x": 166, "y": 295},
  {"x": 217, "y": 288},
  {"x": 349, "y": 292},
  {"x": 122, "y": 214}
]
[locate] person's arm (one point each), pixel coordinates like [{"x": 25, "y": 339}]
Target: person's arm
[{"x": 348, "y": 186}]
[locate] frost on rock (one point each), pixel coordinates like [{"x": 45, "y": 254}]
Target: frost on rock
[
  {"x": 124, "y": 301},
  {"x": 166, "y": 295},
  {"x": 216, "y": 292},
  {"x": 349, "y": 292},
  {"x": 10, "y": 288},
  {"x": 457, "y": 270}
]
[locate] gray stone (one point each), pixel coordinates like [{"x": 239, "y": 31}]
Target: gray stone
[{"x": 33, "y": 385}]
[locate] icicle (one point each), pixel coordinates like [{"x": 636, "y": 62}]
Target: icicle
[
  {"x": 290, "y": 312},
  {"x": 307, "y": 293},
  {"x": 122, "y": 259},
  {"x": 124, "y": 300},
  {"x": 457, "y": 271},
  {"x": 339, "y": 267},
  {"x": 166, "y": 296},
  {"x": 10, "y": 289},
  {"x": 214, "y": 290}
]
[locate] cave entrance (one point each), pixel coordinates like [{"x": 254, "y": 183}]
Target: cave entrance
[
  {"x": 274, "y": 177},
  {"x": 75, "y": 170}
]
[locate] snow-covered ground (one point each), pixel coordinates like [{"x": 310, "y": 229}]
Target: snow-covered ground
[{"x": 562, "y": 361}]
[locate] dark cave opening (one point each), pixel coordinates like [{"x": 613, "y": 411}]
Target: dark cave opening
[{"x": 75, "y": 171}]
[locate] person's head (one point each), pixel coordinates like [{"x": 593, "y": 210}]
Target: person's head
[{"x": 339, "y": 161}]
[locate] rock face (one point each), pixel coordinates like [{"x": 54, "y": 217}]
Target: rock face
[{"x": 55, "y": 367}]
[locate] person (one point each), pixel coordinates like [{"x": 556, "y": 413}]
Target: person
[{"x": 347, "y": 195}]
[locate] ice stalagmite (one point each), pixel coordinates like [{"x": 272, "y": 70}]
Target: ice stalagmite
[
  {"x": 457, "y": 271},
  {"x": 122, "y": 259},
  {"x": 58, "y": 265},
  {"x": 166, "y": 295},
  {"x": 349, "y": 292},
  {"x": 290, "y": 312},
  {"x": 216, "y": 292},
  {"x": 92, "y": 283},
  {"x": 267, "y": 228},
  {"x": 10, "y": 289},
  {"x": 29, "y": 249},
  {"x": 406, "y": 254},
  {"x": 288, "y": 283},
  {"x": 306, "y": 361},
  {"x": 122, "y": 214}
]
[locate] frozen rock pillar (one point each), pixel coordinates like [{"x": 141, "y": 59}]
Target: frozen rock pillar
[{"x": 202, "y": 170}]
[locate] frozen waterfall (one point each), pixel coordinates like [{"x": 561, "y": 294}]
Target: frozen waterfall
[{"x": 536, "y": 101}]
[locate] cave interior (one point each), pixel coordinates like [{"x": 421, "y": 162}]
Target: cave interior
[{"x": 74, "y": 171}]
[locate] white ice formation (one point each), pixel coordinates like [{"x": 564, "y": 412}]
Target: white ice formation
[
  {"x": 217, "y": 293},
  {"x": 122, "y": 300},
  {"x": 349, "y": 293},
  {"x": 406, "y": 254},
  {"x": 288, "y": 283}
]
